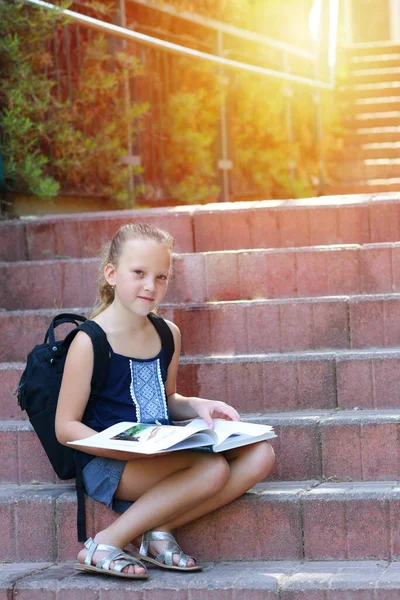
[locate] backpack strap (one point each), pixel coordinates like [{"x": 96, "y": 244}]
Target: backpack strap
[
  {"x": 101, "y": 354},
  {"x": 165, "y": 333},
  {"x": 80, "y": 496},
  {"x": 100, "y": 372}
]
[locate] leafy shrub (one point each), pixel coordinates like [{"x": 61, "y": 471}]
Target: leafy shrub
[{"x": 51, "y": 136}]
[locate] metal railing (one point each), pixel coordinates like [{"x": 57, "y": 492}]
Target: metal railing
[{"x": 163, "y": 47}]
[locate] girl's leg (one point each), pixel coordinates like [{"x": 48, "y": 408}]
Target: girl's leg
[
  {"x": 248, "y": 466},
  {"x": 162, "y": 487}
]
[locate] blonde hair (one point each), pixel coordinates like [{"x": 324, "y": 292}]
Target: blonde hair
[{"x": 113, "y": 251}]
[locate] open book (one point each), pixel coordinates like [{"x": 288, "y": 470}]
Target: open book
[{"x": 147, "y": 438}]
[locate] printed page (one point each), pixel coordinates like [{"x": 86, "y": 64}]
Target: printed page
[
  {"x": 143, "y": 438},
  {"x": 224, "y": 429}
]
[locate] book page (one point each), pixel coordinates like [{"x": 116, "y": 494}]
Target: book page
[
  {"x": 224, "y": 429},
  {"x": 144, "y": 438}
]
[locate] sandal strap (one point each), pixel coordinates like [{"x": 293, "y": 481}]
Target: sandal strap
[
  {"x": 166, "y": 556},
  {"x": 154, "y": 536},
  {"x": 114, "y": 554}
]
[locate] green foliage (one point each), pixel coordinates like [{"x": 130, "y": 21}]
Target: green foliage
[
  {"x": 74, "y": 131},
  {"x": 24, "y": 98},
  {"x": 191, "y": 117},
  {"x": 271, "y": 158},
  {"x": 264, "y": 157},
  {"x": 88, "y": 151},
  {"x": 49, "y": 137}
]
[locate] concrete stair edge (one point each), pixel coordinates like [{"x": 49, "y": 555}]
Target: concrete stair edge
[{"x": 266, "y": 580}]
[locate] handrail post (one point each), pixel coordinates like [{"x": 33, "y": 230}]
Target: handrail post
[
  {"x": 224, "y": 164},
  {"x": 333, "y": 33},
  {"x": 288, "y": 94},
  {"x": 318, "y": 109},
  {"x": 320, "y": 137},
  {"x": 127, "y": 102}
]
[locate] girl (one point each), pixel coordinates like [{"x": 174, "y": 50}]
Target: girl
[{"x": 155, "y": 494}]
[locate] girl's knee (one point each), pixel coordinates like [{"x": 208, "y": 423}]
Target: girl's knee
[
  {"x": 216, "y": 472},
  {"x": 261, "y": 460}
]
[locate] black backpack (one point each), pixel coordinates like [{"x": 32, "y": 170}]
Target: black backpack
[{"x": 40, "y": 384}]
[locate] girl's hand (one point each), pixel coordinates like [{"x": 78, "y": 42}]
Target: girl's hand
[{"x": 212, "y": 409}]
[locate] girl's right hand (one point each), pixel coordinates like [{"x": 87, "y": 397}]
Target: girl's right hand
[{"x": 214, "y": 409}]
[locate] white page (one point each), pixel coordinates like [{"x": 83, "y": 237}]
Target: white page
[
  {"x": 223, "y": 428},
  {"x": 166, "y": 436}
]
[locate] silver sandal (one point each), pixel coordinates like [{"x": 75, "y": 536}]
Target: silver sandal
[
  {"x": 103, "y": 565},
  {"x": 165, "y": 558}
]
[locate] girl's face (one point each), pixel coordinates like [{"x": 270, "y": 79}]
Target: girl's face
[{"x": 140, "y": 278}]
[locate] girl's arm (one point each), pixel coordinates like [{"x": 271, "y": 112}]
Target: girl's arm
[
  {"x": 75, "y": 391},
  {"x": 189, "y": 407},
  {"x": 74, "y": 396}
]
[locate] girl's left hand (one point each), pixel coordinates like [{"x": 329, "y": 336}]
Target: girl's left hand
[{"x": 213, "y": 409}]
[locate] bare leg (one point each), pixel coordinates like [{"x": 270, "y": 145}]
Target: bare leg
[
  {"x": 248, "y": 466},
  {"x": 162, "y": 487}
]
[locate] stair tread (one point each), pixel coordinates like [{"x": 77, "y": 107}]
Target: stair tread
[
  {"x": 376, "y": 58},
  {"x": 276, "y": 577},
  {"x": 12, "y": 492},
  {"x": 392, "y": 352},
  {"x": 304, "y": 416},
  {"x": 181, "y": 255},
  {"x": 384, "y": 70},
  {"x": 213, "y": 303}
]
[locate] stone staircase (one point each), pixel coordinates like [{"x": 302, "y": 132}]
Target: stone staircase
[
  {"x": 370, "y": 161},
  {"x": 290, "y": 311}
]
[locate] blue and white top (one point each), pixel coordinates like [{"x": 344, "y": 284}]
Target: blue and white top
[{"x": 134, "y": 391}]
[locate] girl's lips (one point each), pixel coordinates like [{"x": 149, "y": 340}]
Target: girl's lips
[{"x": 145, "y": 298}]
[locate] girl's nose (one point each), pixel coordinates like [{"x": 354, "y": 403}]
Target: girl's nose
[{"x": 149, "y": 284}]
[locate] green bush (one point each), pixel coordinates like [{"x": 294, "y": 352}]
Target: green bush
[
  {"x": 24, "y": 98},
  {"x": 49, "y": 138}
]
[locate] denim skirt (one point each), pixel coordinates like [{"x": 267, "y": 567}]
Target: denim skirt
[{"x": 101, "y": 477}]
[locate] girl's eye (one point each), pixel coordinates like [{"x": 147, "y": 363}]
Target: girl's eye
[
  {"x": 139, "y": 272},
  {"x": 162, "y": 277}
]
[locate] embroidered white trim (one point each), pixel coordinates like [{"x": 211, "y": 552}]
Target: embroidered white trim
[
  {"x": 162, "y": 387},
  {"x": 132, "y": 391}
]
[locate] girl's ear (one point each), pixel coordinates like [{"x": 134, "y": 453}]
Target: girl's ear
[{"x": 109, "y": 274}]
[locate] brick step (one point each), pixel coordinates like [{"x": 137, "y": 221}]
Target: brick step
[
  {"x": 361, "y": 49},
  {"x": 246, "y": 327},
  {"x": 363, "y": 119},
  {"x": 366, "y": 379},
  {"x": 261, "y": 580},
  {"x": 293, "y": 520},
  {"x": 377, "y": 105},
  {"x": 374, "y": 150},
  {"x": 84, "y": 234},
  {"x": 214, "y": 276},
  {"x": 369, "y": 169},
  {"x": 359, "y": 445},
  {"x": 387, "y": 74},
  {"x": 224, "y": 226},
  {"x": 373, "y": 61},
  {"x": 371, "y": 135},
  {"x": 370, "y": 90}
]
